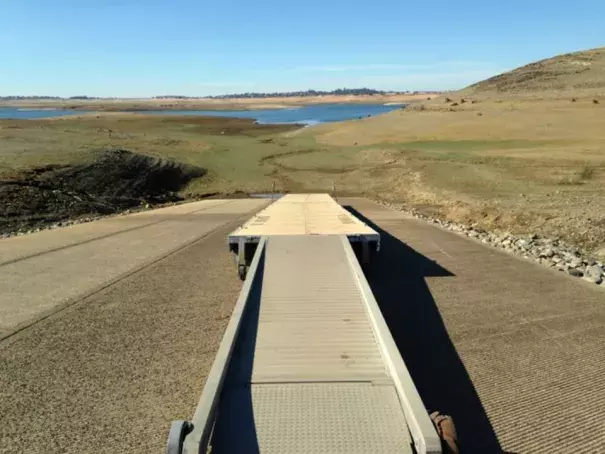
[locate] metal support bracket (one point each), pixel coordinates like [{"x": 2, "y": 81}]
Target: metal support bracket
[
  {"x": 241, "y": 258},
  {"x": 365, "y": 252},
  {"x": 176, "y": 437}
]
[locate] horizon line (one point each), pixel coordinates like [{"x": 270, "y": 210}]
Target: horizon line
[{"x": 234, "y": 94}]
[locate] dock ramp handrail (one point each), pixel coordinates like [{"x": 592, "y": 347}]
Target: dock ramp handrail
[{"x": 204, "y": 413}]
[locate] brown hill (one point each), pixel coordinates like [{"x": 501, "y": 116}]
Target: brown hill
[{"x": 582, "y": 72}]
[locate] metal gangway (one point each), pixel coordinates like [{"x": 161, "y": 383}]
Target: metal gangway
[{"x": 307, "y": 363}]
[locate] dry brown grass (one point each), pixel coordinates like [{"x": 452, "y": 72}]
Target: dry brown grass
[
  {"x": 523, "y": 165},
  {"x": 581, "y": 72},
  {"x": 503, "y": 119}
]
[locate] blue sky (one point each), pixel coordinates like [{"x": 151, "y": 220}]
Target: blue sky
[{"x": 132, "y": 48}]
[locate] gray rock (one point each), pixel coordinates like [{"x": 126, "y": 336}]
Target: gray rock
[
  {"x": 548, "y": 253},
  {"x": 575, "y": 272},
  {"x": 551, "y": 252},
  {"x": 568, "y": 255},
  {"x": 576, "y": 262},
  {"x": 592, "y": 279},
  {"x": 595, "y": 271}
]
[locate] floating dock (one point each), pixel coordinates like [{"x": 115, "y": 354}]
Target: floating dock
[
  {"x": 307, "y": 363},
  {"x": 302, "y": 214}
]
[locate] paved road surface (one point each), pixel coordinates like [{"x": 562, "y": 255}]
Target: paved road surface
[
  {"x": 42, "y": 272},
  {"x": 109, "y": 373},
  {"x": 513, "y": 350}
]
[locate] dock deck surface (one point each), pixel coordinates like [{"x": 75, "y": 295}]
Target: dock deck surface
[{"x": 304, "y": 214}]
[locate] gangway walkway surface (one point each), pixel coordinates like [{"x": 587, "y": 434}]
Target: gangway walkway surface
[{"x": 307, "y": 363}]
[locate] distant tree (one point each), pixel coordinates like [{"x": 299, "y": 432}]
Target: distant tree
[
  {"x": 308, "y": 93},
  {"x": 174, "y": 97},
  {"x": 19, "y": 98}
]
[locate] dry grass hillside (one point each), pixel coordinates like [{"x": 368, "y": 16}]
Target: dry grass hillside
[
  {"x": 578, "y": 72},
  {"x": 523, "y": 151}
]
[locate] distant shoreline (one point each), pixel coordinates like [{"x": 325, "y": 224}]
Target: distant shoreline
[{"x": 149, "y": 104}]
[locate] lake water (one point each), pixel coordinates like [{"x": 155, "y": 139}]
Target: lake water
[
  {"x": 309, "y": 115},
  {"x": 26, "y": 114}
]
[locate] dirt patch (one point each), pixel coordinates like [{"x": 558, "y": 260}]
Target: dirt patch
[{"x": 114, "y": 181}]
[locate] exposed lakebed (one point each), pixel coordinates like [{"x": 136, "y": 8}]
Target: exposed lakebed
[{"x": 114, "y": 181}]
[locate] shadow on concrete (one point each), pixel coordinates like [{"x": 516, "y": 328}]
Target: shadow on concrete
[
  {"x": 397, "y": 278},
  {"x": 235, "y": 426}
]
